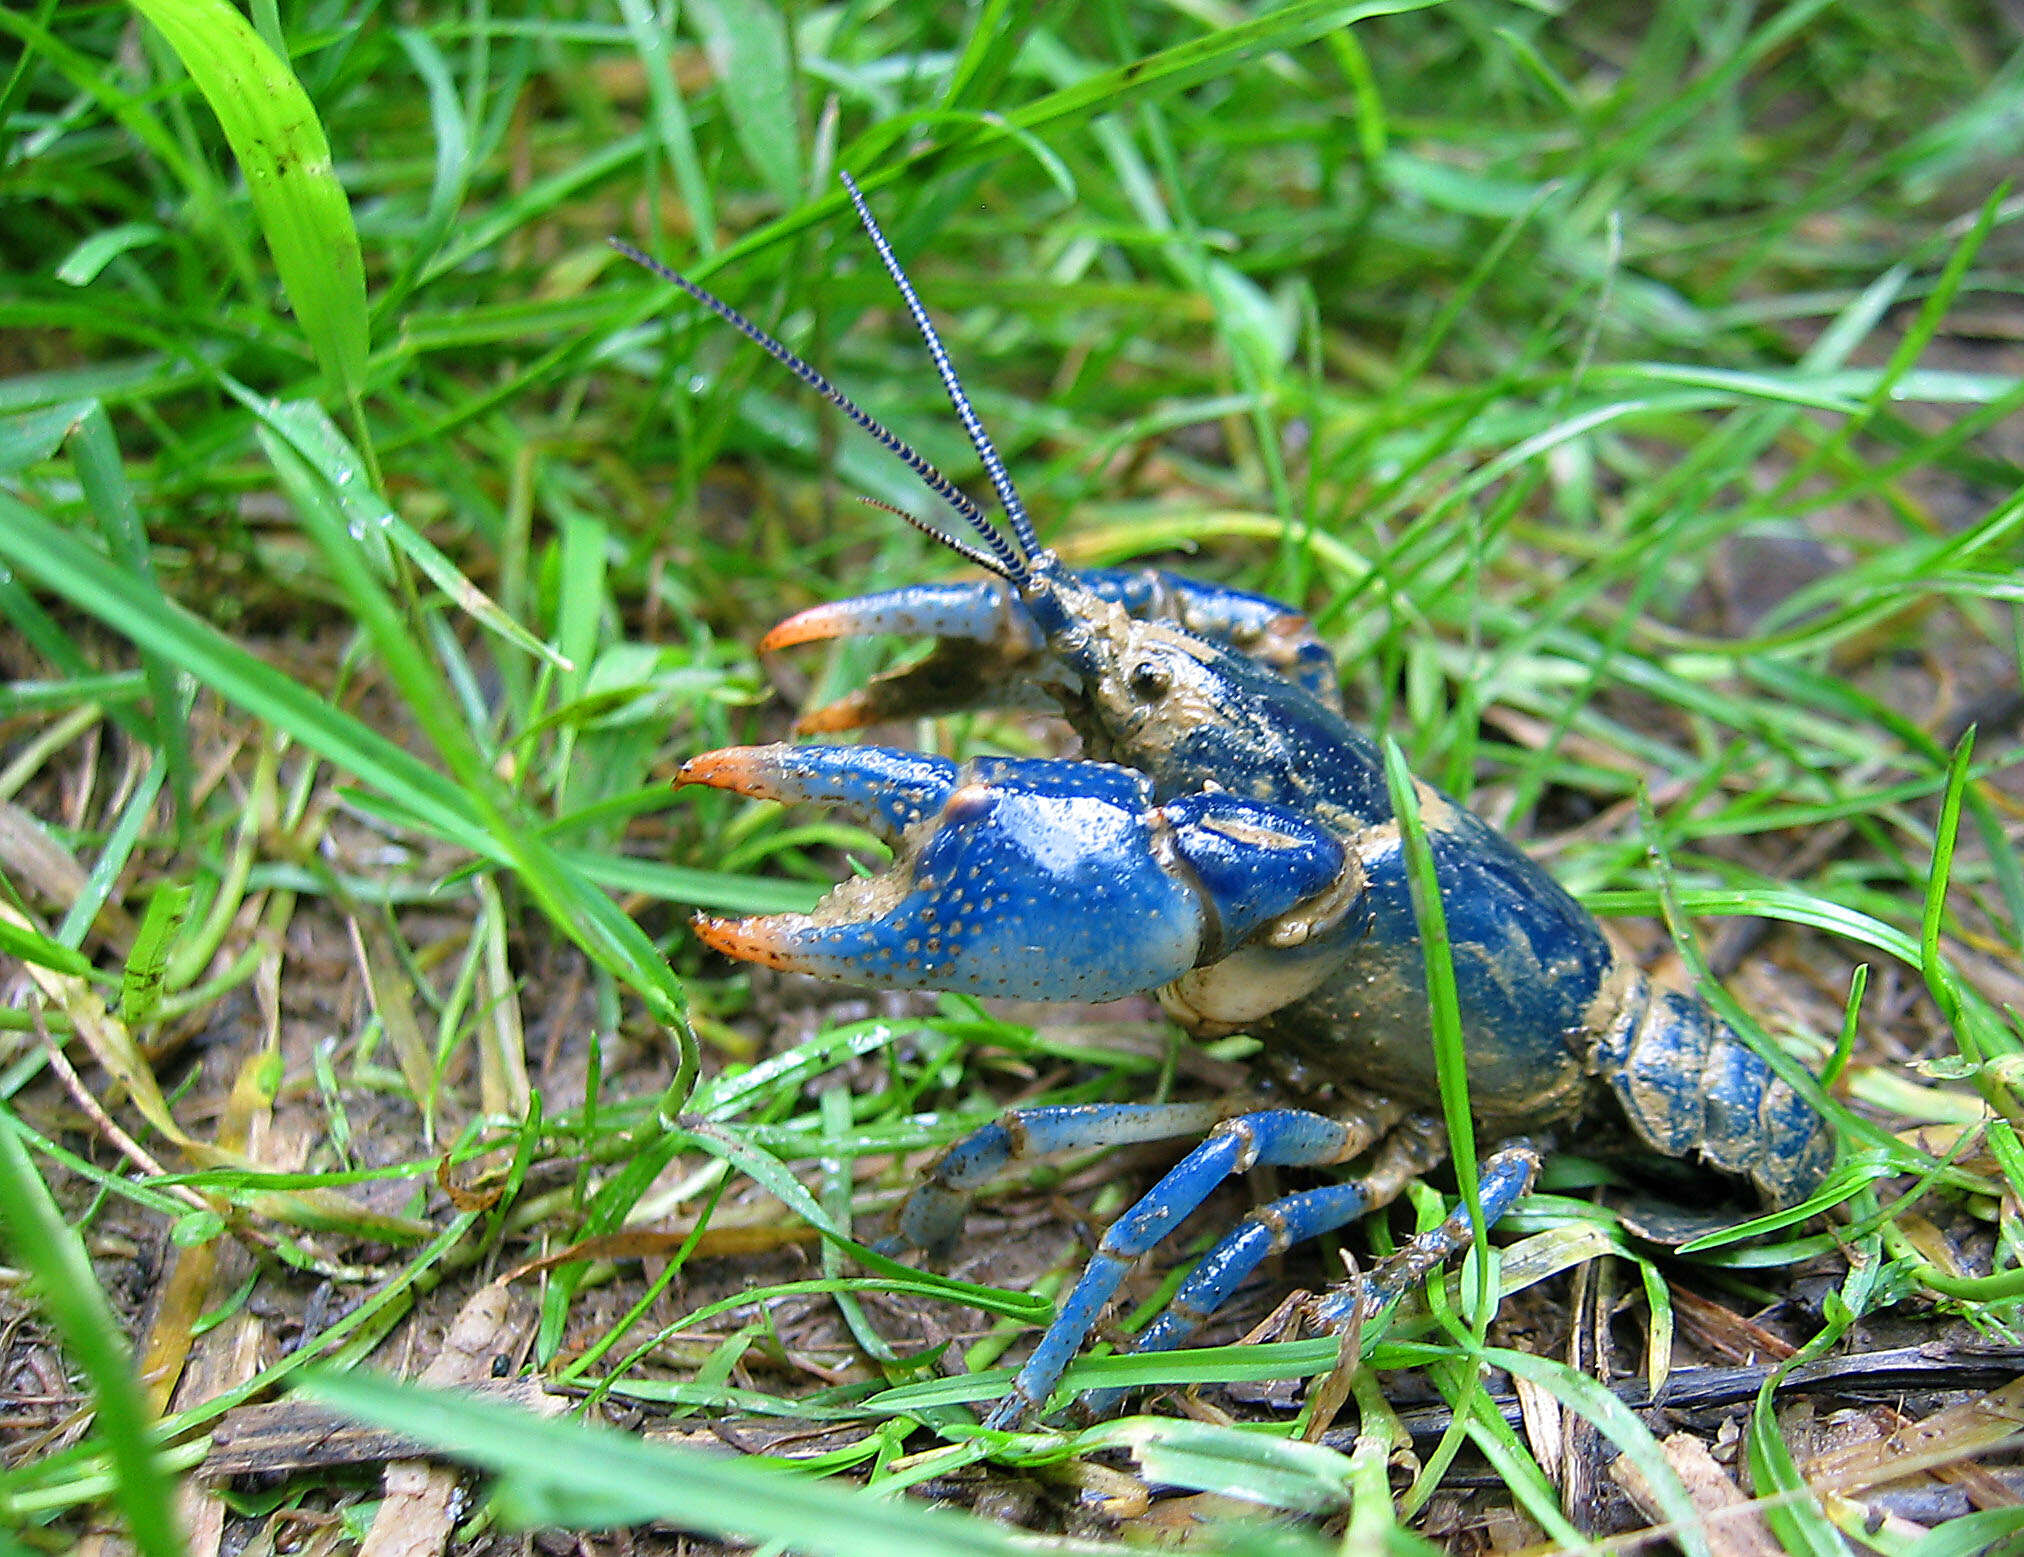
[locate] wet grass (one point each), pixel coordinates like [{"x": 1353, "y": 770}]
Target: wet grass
[{"x": 1630, "y": 401}]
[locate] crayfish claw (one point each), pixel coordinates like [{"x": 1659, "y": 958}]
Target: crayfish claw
[
  {"x": 886, "y": 790},
  {"x": 978, "y": 611},
  {"x": 1029, "y": 878},
  {"x": 956, "y": 676},
  {"x": 851, "y": 712},
  {"x": 987, "y": 654},
  {"x": 756, "y": 938},
  {"x": 814, "y": 625},
  {"x": 990, "y": 652}
]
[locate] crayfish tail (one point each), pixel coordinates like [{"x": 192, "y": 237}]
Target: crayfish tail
[{"x": 1689, "y": 1084}]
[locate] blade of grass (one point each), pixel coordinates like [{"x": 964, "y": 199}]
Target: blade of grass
[
  {"x": 1444, "y": 1010},
  {"x": 284, "y": 155},
  {"x": 112, "y": 502},
  {"x": 597, "y": 924},
  {"x": 568, "y": 1475},
  {"x": 45, "y": 1245}
]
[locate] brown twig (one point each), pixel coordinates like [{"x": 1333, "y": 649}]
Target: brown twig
[{"x": 1885, "y": 1375}]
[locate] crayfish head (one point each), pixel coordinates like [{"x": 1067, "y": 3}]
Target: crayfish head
[
  {"x": 1194, "y": 715},
  {"x": 1160, "y": 697},
  {"x": 1137, "y": 689}
]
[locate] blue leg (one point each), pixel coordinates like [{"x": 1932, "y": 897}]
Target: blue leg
[
  {"x": 1280, "y": 1137},
  {"x": 1506, "y": 1176},
  {"x": 1416, "y": 1146},
  {"x": 933, "y": 1213}
]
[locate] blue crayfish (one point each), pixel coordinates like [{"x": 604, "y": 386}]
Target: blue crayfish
[{"x": 1227, "y": 842}]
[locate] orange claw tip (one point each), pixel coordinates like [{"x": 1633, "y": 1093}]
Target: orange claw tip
[
  {"x": 810, "y": 626},
  {"x": 852, "y": 712},
  {"x": 736, "y": 768},
  {"x": 759, "y": 939}
]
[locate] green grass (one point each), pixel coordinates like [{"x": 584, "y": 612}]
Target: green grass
[{"x": 1629, "y": 398}]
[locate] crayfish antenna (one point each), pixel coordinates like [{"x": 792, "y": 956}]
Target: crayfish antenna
[
  {"x": 987, "y": 452},
  {"x": 999, "y": 559}
]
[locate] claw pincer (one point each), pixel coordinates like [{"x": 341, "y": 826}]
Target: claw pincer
[
  {"x": 1229, "y": 846},
  {"x": 990, "y": 651},
  {"x": 1051, "y": 880}
]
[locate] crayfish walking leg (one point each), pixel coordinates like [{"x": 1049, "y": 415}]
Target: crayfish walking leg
[
  {"x": 933, "y": 1214},
  {"x": 1276, "y": 1137},
  {"x": 1417, "y": 1146}
]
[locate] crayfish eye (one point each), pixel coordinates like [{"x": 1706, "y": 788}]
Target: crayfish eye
[{"x": 1149, "y": 680}]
